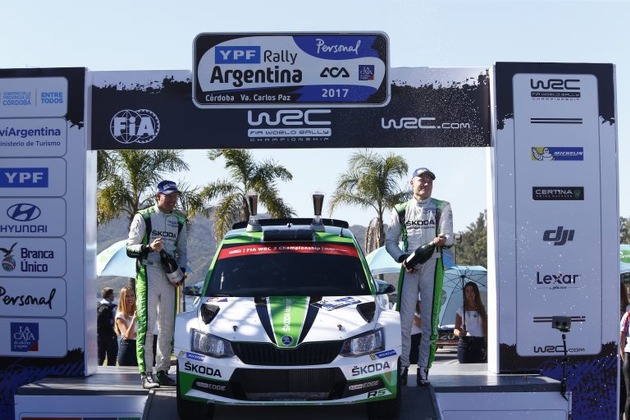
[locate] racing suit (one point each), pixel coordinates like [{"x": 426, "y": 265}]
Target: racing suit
[
  {"x": 156, "y": 297},
  {"x": 418, "y": 222}
]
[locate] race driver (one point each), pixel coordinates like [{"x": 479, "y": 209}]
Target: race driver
[
  {"x": 156, "y": 228},
  {"x": 416, "y": 222}
]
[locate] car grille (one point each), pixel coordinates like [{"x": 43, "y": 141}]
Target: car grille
[
  {"x": 287, "y": 384},
  {"x": 270, "y": 355}
]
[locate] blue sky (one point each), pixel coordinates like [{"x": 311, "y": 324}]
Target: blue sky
[{"x": 158, "y": 35}]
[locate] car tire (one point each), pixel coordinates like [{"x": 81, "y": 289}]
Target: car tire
[
  {"x": 387, "y": 409},
  {"x": 193, "y": 410}
]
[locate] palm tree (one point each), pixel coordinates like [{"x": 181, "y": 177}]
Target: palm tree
[
  {"x": 372, "y": 180},
  {"x": 127, "y": 177},
  {"x": 247, "y": 176}
]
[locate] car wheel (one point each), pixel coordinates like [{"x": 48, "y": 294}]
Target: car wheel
[
  {"x": 193, "y": 410},
  {"x": 387, "y": 409}
]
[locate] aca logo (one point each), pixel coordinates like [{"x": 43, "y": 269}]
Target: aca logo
[
  {"x": 129, "y": 126},
  {"x": 24, "y": 336},
  {"x": 8, "y": 262}
]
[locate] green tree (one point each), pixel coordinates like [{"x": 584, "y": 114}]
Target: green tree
[
  {"x": 247, "y": 176},
  {"x": 624, "y": 230},
  {"x": 473, "y": 247},
  {"x": 127, "y": 180},
  {"x": 372, "y": 181}
]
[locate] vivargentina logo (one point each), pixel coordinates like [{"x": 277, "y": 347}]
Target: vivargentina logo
[{"x": 129, "y": 126}]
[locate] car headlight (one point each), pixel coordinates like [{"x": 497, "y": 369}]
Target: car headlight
[
  {"x": 365, "y": 343},
  {"x": 211, "y": 345}
]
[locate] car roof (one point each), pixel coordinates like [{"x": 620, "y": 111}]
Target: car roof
[{"x": 288, "y": 229}]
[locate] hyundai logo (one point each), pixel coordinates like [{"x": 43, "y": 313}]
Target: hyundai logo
[{"x": 24, "y": 212}]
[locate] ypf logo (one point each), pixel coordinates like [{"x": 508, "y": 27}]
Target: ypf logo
[{"x": 129, "y": 126}]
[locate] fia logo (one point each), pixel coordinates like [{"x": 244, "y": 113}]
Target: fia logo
[
  {"x": 129, "y": 126},
  {"x": 559, "y": 237}
]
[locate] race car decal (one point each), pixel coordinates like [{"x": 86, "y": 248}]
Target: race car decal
[
  {"x": 331, "y": 305},
  {"x": 302, "y": 248},
  {"x": 287, "y": 317}
]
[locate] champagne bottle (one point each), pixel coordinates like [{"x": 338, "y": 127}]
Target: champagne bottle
[
  {"x": 420, "y": 255},
  {"x": 170, "y": 267}
]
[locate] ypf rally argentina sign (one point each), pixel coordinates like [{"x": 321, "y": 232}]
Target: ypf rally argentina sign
[{"x": 249, "y": 70}]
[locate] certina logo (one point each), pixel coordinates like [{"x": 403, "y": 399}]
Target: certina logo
[
  {"x": 558, "y": 193},
  {"x": 555, "y": 88},
  {"x": 334, "y": 72},
  {"x": 23, "y": 212},
  {"x": 203, "y": 370},
  {"x": 129, "y": 126},
  {"x": 559, "y": 236},
  {"x": 416, "y": 123},
  {"x": 373, "y": 368},
  {"x": 288, "y": 117}
]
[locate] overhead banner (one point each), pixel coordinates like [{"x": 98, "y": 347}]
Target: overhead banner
[
  {"x": 251, "y": 70},
  {"x": 153, "y": 110}
]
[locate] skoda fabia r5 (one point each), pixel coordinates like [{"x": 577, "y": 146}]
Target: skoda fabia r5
[{"x": 289, "y": 315}]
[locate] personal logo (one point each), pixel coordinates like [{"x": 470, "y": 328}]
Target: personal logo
[
  {"x": 559, "y": 236},
  {"x": 8, "y": 262},
  {"x": 24, "y": 337},
  {"x": 128, "y": 126},
  {"x": 24, "y": 212}
]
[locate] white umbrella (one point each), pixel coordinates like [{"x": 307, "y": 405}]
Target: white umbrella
[
  {"x": 113, "y": 261},
  {"x": 381, "y": 262},
  {"x": 455, "y": 278}
]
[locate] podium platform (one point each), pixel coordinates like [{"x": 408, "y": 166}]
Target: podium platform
[{"x": 456, "y": 392}]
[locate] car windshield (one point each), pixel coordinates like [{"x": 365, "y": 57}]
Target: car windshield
[{"x": 288, "y": 269}]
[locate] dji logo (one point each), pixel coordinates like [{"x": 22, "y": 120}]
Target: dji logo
[{"x": 560, "y": 236}]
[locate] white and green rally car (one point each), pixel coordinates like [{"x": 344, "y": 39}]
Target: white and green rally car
[{"x": 289, "y": 315}]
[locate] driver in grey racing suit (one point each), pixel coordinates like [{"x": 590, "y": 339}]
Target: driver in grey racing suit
[{"x": 416, "y": 222}]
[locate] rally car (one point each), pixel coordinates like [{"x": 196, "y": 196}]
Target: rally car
[{"x": 289, "y": 315}]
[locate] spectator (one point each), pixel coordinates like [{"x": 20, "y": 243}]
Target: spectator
[
  {"x": 105, "y": 336},
  {"x": 471, "y": 326},
  {"x": 126, "y": 327}
]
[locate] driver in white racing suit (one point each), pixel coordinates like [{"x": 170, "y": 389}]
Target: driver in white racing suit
[
  {"x": 417, "y": 222},
  {"x": 152, "y": 230}
]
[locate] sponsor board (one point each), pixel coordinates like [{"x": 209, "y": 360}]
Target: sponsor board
[
  {"x": 39, "y": 177},
  {"x": 328, "y": 69},
  {"x": 41, "y": 297},
  {"x": 33, "y": 137},
  {"x": 32, "y": 257},
  {"x": 33, "y": 97},
  {"x": 28, "y": 217},
  {"x": 29, "y": 337}
]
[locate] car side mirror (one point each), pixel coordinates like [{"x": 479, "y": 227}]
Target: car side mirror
[{"x": 384, "y": 288}]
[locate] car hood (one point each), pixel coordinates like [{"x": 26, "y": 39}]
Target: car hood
[{"x": 288, "y": 320}]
